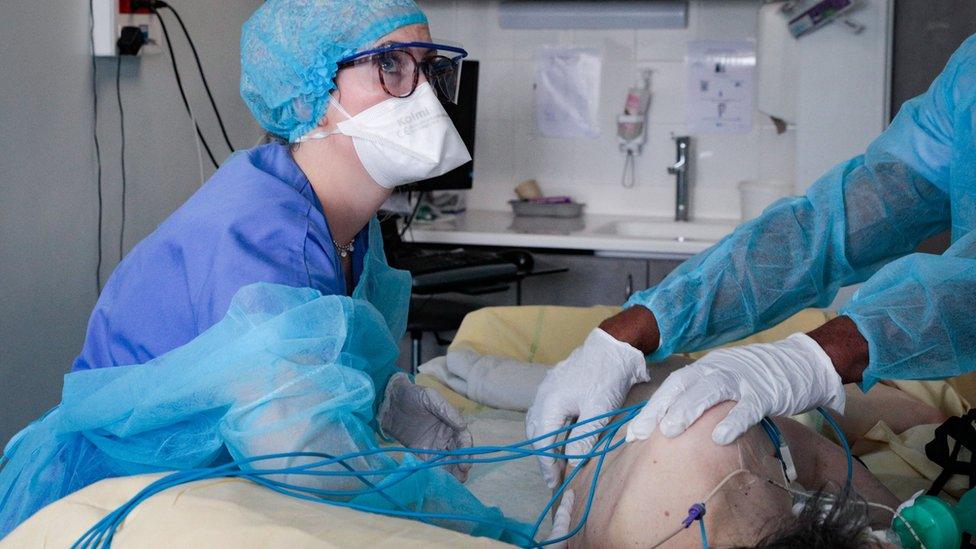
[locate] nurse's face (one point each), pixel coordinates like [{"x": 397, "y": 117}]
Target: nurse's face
[{"x": 359, "y": 86}]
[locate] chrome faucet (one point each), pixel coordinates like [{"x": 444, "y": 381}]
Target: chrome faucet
[{"x": 680, "y": 169}]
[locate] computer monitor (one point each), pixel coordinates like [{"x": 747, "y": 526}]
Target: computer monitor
[{"x": 463, "y": 116}]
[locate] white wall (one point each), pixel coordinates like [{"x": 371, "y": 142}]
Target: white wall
[
  {"x": 508, "y": 150},
  {"x": 47, "y": 172},
  {"x": 840, "y": 117}
]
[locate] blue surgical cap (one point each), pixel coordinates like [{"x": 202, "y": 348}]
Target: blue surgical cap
[{"x": 290, "y": 51}]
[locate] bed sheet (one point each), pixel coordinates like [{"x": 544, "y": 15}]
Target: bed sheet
[{"x": 224, "y": 513}]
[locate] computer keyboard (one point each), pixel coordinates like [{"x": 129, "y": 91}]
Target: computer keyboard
[
  {"x": 420, "y": 261},
  {"x": 464, "y": 278}
]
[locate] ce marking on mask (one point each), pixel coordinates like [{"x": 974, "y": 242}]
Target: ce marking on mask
[{"x": 416, "y": 121}]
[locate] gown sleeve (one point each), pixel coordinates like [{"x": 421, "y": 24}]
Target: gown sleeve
[
  {"x": 858, "y": 217},
  {"x": 917, "y": 315}
]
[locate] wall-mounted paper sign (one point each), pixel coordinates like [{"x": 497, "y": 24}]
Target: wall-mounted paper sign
[
  {"x": 567, "y": 92},
  {"x": 720, "y": 86}
]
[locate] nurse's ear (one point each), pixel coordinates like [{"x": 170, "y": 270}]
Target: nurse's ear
[{"x": 330, "y": 118}]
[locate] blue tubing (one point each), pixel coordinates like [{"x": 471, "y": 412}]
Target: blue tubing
[
  {"x": 704, "y": 535},
  {"x": 843, "y": 442},
  {"x": 102, "y": 533}
]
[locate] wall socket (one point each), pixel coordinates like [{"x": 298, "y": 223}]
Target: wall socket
[
  {"x": 107, "y": 26},
  {"x": 151, "y": 31}
]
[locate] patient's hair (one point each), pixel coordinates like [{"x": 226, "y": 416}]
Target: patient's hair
[{"x": 826, "y": 521}]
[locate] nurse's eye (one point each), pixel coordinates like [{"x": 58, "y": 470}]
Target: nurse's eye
[
  {"x": 398, "y": 72},
  {"x": 390, "y": 62}
]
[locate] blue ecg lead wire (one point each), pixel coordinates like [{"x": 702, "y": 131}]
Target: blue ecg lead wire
[
  {"x": 102, "y": 533},
  {"x": 704, "y": 534},
  {"x": 843, "y": 442}
]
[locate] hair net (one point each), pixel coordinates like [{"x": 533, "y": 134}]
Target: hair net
[{"x": 290, "y": 50}]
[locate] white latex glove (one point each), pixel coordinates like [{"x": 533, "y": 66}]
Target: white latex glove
[
  {"x": 593, "y": 380},
  {"x": 766, "y": 379},
  {"x": 561, "y": 521},
  {"x": 419, "y": 417}
]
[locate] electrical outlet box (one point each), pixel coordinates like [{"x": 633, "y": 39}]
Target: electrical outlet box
[
  {"x": 148, "y": 23},
  {"x": 108, "y": 19}
]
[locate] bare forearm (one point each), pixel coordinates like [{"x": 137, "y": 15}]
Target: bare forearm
[
  {"x": 846, "y": 347},
  {"x": 839, "y": 338},
  {"x": 636, "y": 326}
]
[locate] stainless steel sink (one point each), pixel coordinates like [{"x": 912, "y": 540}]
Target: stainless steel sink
[{"x": 702, "y": 231}]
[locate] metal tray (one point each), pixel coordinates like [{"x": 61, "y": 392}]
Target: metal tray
[{"x": 527, "y": 208}]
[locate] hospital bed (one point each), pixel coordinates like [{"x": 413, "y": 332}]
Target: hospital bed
[{"x": 233, "y": 512}]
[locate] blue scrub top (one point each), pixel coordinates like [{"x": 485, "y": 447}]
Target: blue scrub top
[{"x": 256, "y": 220}]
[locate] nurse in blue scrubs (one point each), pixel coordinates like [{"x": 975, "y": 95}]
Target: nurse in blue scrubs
[{"x": 351, "y": 90}]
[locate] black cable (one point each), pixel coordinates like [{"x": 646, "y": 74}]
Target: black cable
[
  {"x": 179, "y": 84},
  {"x": 98, "y": 150},
  {"x": 118, "y": 94},
  {"x": 203, "y": 77},
  {"x": 409, "y": 220}
]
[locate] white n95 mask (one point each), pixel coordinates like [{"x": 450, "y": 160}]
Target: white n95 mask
[{"x": 402, "y": 140}]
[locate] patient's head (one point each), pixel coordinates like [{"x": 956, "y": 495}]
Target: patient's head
[
  {"x": 826, "y": 522},
  {"x": 647, "y": 486}
]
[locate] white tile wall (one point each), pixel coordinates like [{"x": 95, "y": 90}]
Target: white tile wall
[{"x": 509, "y": 150}]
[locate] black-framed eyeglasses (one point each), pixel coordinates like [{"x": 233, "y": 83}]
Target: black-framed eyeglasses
[{"x": 399, "y": 69}]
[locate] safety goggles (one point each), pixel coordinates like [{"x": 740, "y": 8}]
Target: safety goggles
[{"x": 399, "y": 69}]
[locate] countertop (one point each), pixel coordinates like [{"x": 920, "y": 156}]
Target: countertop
[{"x": 613, "y": 235}]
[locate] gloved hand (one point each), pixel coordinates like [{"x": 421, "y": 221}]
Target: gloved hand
[
  {"x": 419, "y": 417},
  {"x": 593, "y": 380},
  {"x": 561, "y": 520},
  {"x": 767, "y": 379}
]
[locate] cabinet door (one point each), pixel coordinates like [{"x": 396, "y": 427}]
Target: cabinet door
[
  {"x": 590, "y": 280},
  {"x": 657, "y": 269}
]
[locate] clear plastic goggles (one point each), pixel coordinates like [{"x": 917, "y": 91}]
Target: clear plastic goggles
[{"x": 400, "y": 64}]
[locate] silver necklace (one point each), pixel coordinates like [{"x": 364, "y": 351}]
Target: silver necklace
[{"x": 344, "y": 249}]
